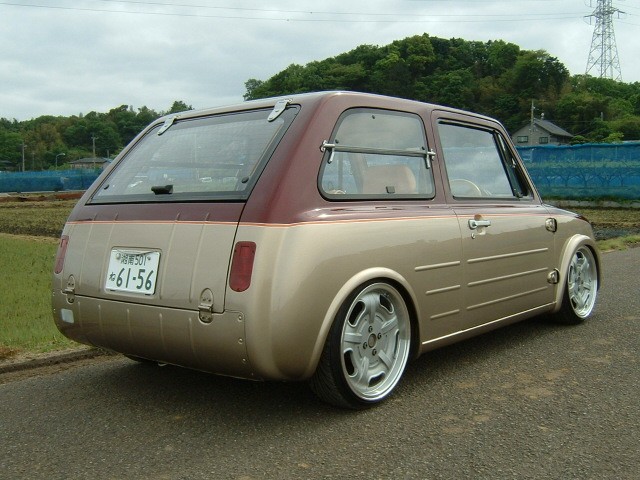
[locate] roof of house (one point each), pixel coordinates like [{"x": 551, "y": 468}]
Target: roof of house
[
  {"x": 552, "y": 128},
  {"x": 91, "y": 160}
]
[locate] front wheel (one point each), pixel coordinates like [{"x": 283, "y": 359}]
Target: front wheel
[
  {"x": 581, "y": 288},
  {"x": 367, "y": 348}
]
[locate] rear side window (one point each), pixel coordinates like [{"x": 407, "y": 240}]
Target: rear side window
[
  {"x": 479, "y": 164},
  {"x": 208, "y": 158},
  {"x": 376, "y": 154}
]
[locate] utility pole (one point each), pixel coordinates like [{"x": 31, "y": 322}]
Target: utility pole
[
  {"x": 93, "y": 139},
  {"x": 603, "y": 57},
  {"x": 533, "y": 118},
  {"x": 24, "y": 145}
]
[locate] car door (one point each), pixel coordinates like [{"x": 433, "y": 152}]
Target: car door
[
  {"x": 507, "y": 236},
  {"x": 381, "y": 160}
]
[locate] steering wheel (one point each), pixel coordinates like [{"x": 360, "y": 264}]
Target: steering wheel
[{"x": 461, "y": 187}]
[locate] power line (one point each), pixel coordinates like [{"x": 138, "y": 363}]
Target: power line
[
  {"x": 317, "y": 12},
  {"x": 311, "y": 16}
]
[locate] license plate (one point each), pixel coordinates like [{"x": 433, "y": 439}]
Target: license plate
[{"x": 132, "y": 271}]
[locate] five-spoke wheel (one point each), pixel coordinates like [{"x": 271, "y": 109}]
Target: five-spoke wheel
[
  {"x": 581, "y": 287},
  {"x": 367, "y": 349}
]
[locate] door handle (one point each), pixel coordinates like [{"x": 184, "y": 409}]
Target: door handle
[{"x": 474, "y": 224}]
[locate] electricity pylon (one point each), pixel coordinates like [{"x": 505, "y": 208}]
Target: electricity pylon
[{"x": 603, "y": 58}]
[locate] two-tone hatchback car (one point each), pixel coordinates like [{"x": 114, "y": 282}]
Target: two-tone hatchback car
[{"x": 328, "y": 237}]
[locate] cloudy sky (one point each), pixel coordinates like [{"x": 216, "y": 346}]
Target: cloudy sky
[{"x": 66, "y": 57}]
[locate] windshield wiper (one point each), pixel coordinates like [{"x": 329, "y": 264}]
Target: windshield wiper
[{"x": 162, "y": 189}]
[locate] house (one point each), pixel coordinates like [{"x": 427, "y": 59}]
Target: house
[
  {"x": 6, "y": 165},
  {"x": 542, "y": 132},
  {"x": 90, "y": 162}
]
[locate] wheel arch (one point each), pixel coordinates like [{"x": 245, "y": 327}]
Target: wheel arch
[
  {"x": 384, "y": 275},
  {"x": 570, "y": 246}
]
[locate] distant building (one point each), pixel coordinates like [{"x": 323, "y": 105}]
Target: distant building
[
  {"x": 90, "y": 162},
  {"x": 6, "y": 165},
  {"x": 543, "y": 132}
]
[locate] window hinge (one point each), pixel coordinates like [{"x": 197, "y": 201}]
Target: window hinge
[
  {"x": 279, "y": 107},
  {"x": 167, "y": 124}
]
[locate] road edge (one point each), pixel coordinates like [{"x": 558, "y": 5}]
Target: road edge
[{"x": 33, "y": 361}]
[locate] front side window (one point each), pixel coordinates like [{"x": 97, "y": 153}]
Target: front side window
[
  {"x": 208, "y": 158},
  {"x": 376, "y": 154},
  {"x": 479, "y": 164}
]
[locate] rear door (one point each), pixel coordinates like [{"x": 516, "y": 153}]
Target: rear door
[
  {"x": 159, "y": 228},
  {"x": 507, "y": 242}
]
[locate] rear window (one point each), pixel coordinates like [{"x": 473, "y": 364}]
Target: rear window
[{"x": 208, "y": 158}]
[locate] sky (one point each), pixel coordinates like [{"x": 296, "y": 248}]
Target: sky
[{"x": 71, "y": 57}]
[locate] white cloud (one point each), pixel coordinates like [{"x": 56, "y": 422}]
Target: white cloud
[{"x": 68, "y": 57}]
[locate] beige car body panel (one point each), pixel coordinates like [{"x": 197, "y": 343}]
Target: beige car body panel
[
  {"x": 277, "y": 328},
  {"x": 457, "y": 281},
  {"x": 303, "y": 280}
]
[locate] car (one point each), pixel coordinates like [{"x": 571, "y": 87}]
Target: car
[{"x": 326, "y": 237}]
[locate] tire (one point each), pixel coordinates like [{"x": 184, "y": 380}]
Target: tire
[
  {"x": 581, "y": 288},
  {"x": 367, "y": 348}
]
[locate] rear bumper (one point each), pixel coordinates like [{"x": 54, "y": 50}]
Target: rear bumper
[{"x": 171, "y": 336}]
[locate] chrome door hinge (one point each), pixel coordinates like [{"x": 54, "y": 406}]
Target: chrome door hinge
[
  {"x": 70, "y": 289},
  {"x": 205, "y": 307}
]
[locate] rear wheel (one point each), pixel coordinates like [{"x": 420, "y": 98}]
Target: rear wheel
[
  {"x": 367, "y": 348},
  {"x": 581, "y": 288}
]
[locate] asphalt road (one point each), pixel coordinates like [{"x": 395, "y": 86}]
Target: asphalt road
[{"x": 533, "y": 400}]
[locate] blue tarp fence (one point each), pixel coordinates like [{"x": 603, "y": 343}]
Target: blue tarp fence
[
  {"x": 48, "y": 181},
  {"x": 588, "y": 171}
]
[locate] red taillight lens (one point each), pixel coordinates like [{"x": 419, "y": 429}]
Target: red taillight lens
[
  {"x": 62, "y": 251},
  {"x": 242, "y": 266}
]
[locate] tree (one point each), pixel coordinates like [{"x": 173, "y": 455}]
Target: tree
[
  {"x": 501, "y": 56},
  {"x": 252, "y": 87},
  {"x": 495, "y": 78},
  {"x": 451, "y": 88},
  {"x": 179, "y": 106},
  {"x": 628, "y": 126},
  {"x": 10, "y": 146},
  {"x": 538, "y": 75}
]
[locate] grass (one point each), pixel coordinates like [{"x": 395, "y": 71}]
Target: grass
[
  {"x": 26, "y": 322},
  {"x": 29, "y": 232},
  {"x": 619, "y": 243}
]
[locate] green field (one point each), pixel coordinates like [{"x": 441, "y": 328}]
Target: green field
[
  {"x": 25, "y": 311},
  {"x": 29, "y": 231}
]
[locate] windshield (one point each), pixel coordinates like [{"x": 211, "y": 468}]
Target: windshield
[{"x": 207, "y": 158}]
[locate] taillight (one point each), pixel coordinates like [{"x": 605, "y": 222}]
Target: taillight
[
  {"x": 62, "y": 251},
  {"x": 242, "y": 266}
]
